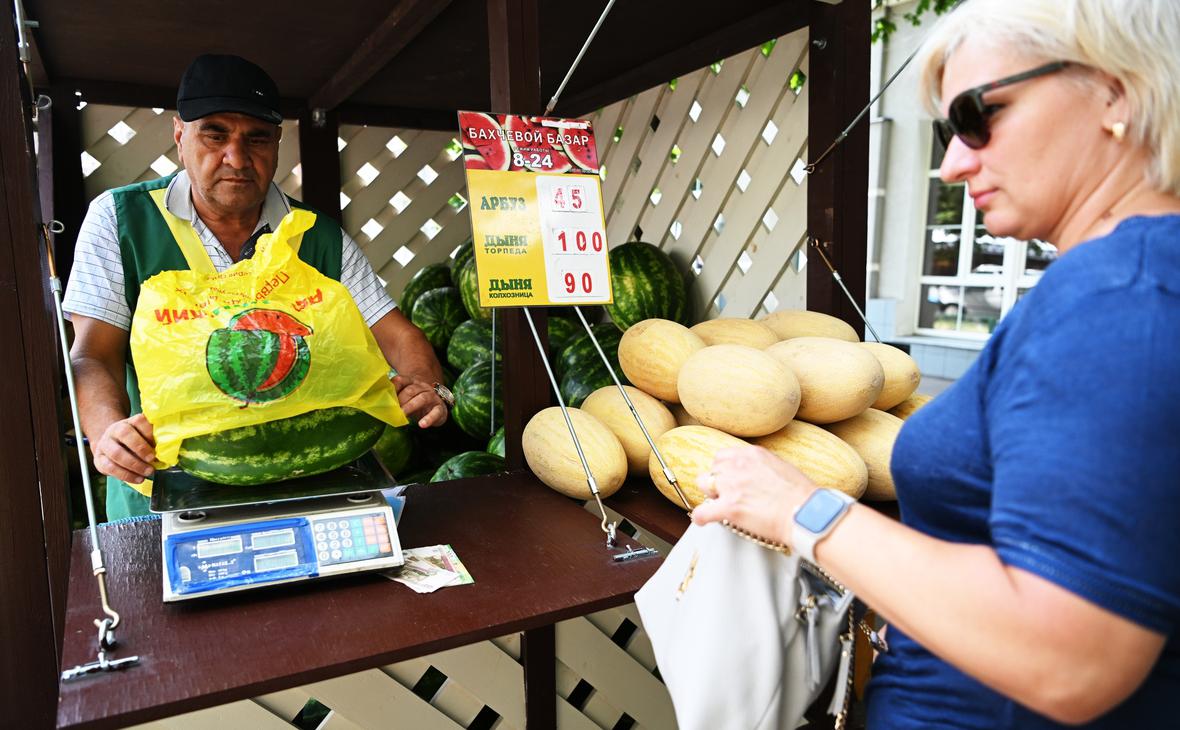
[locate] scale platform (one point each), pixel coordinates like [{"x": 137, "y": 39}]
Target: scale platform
[{"x": 220, "y": 539}]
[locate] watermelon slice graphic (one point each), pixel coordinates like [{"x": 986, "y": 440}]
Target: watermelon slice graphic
[
  {"x": 483, "y": 146},
  {"x": 260, "y": 357}
]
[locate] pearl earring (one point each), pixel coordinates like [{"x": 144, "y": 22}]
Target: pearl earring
[{"x": 1118, "y": 130}]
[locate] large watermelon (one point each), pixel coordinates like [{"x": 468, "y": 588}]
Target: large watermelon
[
  {"x": 431, "y": 276},
  {"x": 579, "y": 382},
  {"x": 469, "y": 464},
  {"x": 437, "y": 313},
  {"x": 298, "y": 446},
  {"x": 581, "y": 353},
  {"x": 592, "y": 312},
  {"x": 465, "y": 253},
  {"x": 472, "y": 342},
  {"x": 469, "y": 290},
  {"x": 562, "y": 333},
  {"x": 496, "y": 443},
  {"x": 395, "y": 447},
  {"x": 473, "y": 399},
  {"x": 646, "y": 285}
]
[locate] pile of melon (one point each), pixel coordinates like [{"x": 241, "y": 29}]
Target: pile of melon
[{"x": 800, "y": 384}]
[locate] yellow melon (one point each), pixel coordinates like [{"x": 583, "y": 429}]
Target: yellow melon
[
  {"x": 838, "y": 379},
  {"x": 651, "y": 353},
  {"x": 738, "y": 389},
  {"x": 791, "y": 323},
  {"x": 822, "y": 456},
  {"x": 901, "y": 374},
  {"x": 689, "y": 452},
  {"x": 550, "y": 453},
  {"x": 607, "y": 405},
  {"x": 734, "y": 331},
  {"x": 683, "y": 417},
  {"x": 872, "y": 434},
  {"x": 907, "y": 407}
]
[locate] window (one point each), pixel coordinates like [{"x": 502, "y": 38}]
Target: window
[{"x": 970, "y": 279}]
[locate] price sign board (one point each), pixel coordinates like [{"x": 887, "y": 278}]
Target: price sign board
[{"x": 536, "y": 210}]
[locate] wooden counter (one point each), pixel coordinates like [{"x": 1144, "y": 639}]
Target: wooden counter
[{"x": 537, "y": 558}]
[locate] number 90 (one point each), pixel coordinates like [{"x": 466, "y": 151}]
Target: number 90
[{"x": 571, "y": 282}]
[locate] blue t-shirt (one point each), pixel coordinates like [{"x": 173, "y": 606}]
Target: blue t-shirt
[{"x": 1060, "y": 448}]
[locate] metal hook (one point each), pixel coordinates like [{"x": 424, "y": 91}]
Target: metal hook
[
  {"x": 44, "y": 102},
  {"x": 55, "y": 226}
]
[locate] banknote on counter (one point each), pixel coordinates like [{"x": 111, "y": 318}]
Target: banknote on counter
[{"x": 429, "y": 568}]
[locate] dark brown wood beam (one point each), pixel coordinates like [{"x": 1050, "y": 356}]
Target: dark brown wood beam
[
  {"x": 32, "y": 500},
  {"x": 728, "y": 40},
  {"x": 439, "y": 120},
  {"x": 402, "y": 25},
  {"x": 148, "y": 97},
  {"x": 837, "y": 214},
  {"x": 319, "y": 161},
  {"x": 514, "y": 59}
]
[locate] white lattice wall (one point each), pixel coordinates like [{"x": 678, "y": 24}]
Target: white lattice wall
[{"x": 707, "y": 168}]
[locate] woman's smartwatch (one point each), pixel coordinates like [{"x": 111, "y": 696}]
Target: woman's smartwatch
[
  {"x": 815, "y": 518},
  {"x": 448, "y": 398}
]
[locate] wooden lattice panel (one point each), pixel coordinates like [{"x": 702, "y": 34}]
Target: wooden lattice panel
[
  {"x": 702, "y": 169},
  {"x": 401, "y": 245}
]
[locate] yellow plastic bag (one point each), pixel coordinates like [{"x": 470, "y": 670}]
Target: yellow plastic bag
[{"x": 269, "y": 338}]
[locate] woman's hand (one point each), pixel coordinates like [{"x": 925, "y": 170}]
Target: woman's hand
[{"x": 755, "y": 490}]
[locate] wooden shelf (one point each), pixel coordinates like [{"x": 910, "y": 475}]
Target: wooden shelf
[{"x": 537, "y": 558}]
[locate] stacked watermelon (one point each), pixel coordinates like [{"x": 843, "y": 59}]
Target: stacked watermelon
[{"x": 646, "y": 285}]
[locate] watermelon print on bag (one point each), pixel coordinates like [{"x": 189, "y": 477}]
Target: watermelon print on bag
[{"x": 260, "y": 357}]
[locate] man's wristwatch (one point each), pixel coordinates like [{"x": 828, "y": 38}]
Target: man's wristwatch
[
  {"x": 448, "y": 398},
  {"x": 815, "y": 518}
]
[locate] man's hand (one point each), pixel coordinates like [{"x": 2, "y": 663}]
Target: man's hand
[
  {"x": 126, "y": 450},
  {"x": 419, "y": 400},
  {"x": 410, "y": 354}
]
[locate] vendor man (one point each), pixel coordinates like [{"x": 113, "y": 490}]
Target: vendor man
[{"x": 227, "y": 138}]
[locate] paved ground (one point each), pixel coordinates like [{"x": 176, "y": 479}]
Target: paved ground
[{"x": 933, "y": 386}]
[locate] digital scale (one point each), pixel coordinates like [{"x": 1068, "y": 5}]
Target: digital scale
[{"x": 217, "y": 538}]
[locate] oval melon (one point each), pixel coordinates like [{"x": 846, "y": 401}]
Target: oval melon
[
  {"x": 689, "y": 452},
  {"x": 822, "y": 456},
  {"x": 738, "y": 389},
  {"x": 652, "y": 352},
  {"x": 551, "y": 455},
  {"x": 734, "y": 331},
  {"x": 683, "y": 417},
  {"x": 901, "y": 374},
  {"x": 838, "y": 379},
  {"x": 872, "y": 434},
  {"x": 791, "y": 323},
  {"x": 910, "y": 405},
  {"x": 607, "y": 405}
]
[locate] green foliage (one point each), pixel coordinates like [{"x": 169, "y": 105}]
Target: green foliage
[{"x": 884, "y": 26}]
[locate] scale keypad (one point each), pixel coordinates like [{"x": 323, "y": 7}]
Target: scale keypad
[{"x": 351, "y": 539}]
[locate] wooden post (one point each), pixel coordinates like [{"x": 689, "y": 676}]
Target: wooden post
[
  {"x": 837, "y": 192},
  {"x": 61, "y": 173},
  {"x": 30, "y": 438},
  {"x": 516, "y": 87},
  {"x": 319, "y": 161},
  {"x": 515, "y": 78}
]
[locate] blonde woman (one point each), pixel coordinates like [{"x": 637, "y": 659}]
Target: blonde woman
[{"x": 1035, "y": 577}]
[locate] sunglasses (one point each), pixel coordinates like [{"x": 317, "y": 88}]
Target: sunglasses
[{"x": 968, "y": 116}]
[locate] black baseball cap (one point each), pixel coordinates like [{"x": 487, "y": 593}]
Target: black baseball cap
[{"x": 214, "y": 83}]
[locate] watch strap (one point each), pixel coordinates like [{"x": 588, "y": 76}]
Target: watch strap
[{"x": 803, "y": 539}]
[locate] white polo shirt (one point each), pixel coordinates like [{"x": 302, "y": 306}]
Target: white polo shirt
[{"x": 96, "y": 287}]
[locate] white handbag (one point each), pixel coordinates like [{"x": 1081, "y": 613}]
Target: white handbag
[{"x": 745, "y": 637}]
